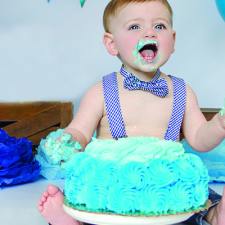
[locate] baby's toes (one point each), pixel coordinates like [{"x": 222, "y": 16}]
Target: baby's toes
[{"x": 52, "y": 190}]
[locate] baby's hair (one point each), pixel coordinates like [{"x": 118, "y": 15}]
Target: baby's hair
[{"x": 113, "y": 6}]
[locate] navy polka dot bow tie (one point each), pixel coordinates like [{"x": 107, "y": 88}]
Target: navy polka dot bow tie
[{"x": 156, "y": 86}]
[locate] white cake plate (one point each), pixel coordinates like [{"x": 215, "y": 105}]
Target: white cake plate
[{"x": 110, "y": 219}]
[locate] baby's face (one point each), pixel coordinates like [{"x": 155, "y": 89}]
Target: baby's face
[{"x": 143, "y": 36}]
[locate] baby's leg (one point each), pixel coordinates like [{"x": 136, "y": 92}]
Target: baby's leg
[
  {"x": 50, "y": 206},
  {"x": 216, "y": 215}
]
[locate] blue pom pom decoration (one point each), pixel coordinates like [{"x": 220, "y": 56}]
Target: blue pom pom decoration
[{"x": 17, "y": 164}]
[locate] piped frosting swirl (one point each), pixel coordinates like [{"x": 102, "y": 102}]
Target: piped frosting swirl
[{"x": 136, "y": 176}]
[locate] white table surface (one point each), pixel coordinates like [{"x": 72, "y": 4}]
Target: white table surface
[{"x": 19, "y": 203}]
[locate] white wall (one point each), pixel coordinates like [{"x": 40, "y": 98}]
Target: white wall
[{"x": 54, "y": 51}]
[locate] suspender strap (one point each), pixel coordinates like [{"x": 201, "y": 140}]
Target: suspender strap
[
  {"x": 179, "y": 103},
  {"x": 112, "y": 104}
]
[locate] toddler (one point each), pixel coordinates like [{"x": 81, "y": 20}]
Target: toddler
[{"x": 140, "y": 100}]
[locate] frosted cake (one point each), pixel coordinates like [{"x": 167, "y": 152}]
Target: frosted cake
[{"x": 136, "y": 176}]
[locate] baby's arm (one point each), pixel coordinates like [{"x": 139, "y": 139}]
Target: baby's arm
[
  {"x": 201, "y": 135},
  {"x": 88, "y": 116}
]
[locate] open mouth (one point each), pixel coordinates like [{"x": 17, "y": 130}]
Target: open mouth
[{"x": 148, "y": 52}]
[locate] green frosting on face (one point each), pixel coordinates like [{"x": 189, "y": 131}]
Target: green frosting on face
[{"x": 138, "y": 47}]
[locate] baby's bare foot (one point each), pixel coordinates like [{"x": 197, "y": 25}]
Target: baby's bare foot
[
  {"x": 50, "y": 206},
  {"x": 216, "y": 215}
]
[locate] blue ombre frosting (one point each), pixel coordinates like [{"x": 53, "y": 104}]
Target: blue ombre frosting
[{"x": 136, "y": 176}]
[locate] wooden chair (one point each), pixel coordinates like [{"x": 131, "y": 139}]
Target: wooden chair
[
  {"x": 209, "y": 112},
  {"x": 34, "y": 120}
]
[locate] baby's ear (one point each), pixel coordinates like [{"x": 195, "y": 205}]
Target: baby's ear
[
  {"x": 174, "y": 40},
  {"x": 109, "y": 43}
]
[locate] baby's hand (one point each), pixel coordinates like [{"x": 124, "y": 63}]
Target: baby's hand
[
  {"x": 68, "y": 140},
  {"x": 64, "y": 137},
  {"x": 59, "y": 147}
]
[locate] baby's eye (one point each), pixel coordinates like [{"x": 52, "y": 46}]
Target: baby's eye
[
  {"x": 134, "y": 27},
  {"x": 160, "y": 26}
]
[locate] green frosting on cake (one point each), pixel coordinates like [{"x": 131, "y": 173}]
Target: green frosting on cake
[
  {"x": 141, "y": 149},
  {"x": 136, "y": 176}
]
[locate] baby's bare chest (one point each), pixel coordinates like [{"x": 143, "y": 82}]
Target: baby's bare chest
[
  {"x": 143, "y": 114},
  {"x": 140, "y": 107},
  {"x": 143, "y": 106}
]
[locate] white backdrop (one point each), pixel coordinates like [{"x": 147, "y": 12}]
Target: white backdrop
[{"x": 54, "y": 51}]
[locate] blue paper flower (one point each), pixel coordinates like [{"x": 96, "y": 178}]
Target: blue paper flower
[{"x": 17, "y": 164}]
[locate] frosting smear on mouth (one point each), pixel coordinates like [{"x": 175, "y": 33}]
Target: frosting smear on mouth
[{"x": 146, "y": 51}]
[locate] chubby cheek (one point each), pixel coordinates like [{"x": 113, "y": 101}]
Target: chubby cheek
[
  {"x": 165, "y": 50},
  {"x": 127, "y": 47},
  {"x": 168, "y": 46}
]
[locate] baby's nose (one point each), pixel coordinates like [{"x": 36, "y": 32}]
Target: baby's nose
[{"x": 150, "y": 33}]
